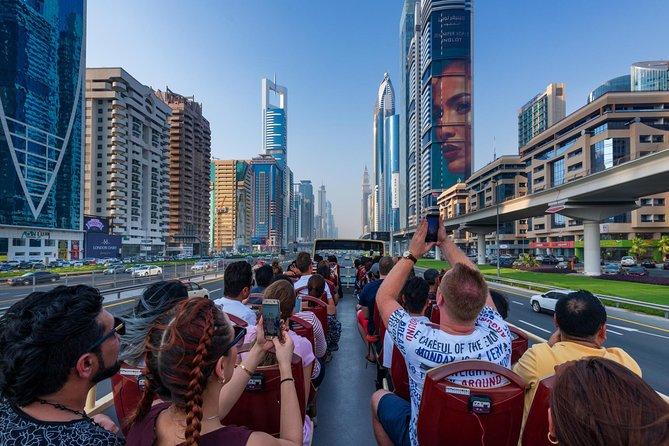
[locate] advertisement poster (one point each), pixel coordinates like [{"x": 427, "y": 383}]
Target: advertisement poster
[
  {"x": 97, "y": 224},
  {"x": 102, "y": 246},
  {"x": 451, "y": 85}
]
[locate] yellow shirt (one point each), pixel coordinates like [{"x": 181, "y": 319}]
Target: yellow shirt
[{"x": 539, "y": 361}]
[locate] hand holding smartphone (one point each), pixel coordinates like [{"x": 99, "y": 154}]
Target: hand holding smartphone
[
  {"x": 432, "y": 228},
  {"x": 271, "y": 315}
]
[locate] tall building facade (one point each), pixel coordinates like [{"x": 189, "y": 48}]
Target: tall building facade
[
  {"x": 541, "y": 112},
  {"x": 386, "y": 141},
  {"x": 437, "y": 75},
  {"x": 268, "y": 202},
  {"x": 42, "y": 60},
  {"x": 365, "y": 224},
  {"x": 305, "y": 211},
  {"x": 321, "y": 216},
  {"x": 189, "y": 164},
  {"x": 231, "y": 217},
  {"x": 650, "y": 76},
  {"x": 127, "y": 159},
  {"x": 275, "y": 144},
  {"x": 620, "y": 83}
]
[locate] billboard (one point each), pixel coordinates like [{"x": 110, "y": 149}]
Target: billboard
[
  {"x": 102, "y": 246},
  {"x": 451, "y": 96},
  {"x": 93, "y": 223}
]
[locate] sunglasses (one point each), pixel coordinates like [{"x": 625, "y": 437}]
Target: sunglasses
[
  {"x": 119, "y": 329},
  {"x": 237, "y": 339}
]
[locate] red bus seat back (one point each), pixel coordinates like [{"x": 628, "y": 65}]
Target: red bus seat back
[
  {"x": 434, "y": 316},
  {"x": 238, "y": 321},
  {"x": 127, "y": 390},
  {"x": 399, "y": 374},
  {"x": 519, "y": 343},
  {"x": 260, "y": 409},
  {"x": 304, "y": 329},
  {"x": 319, "y": 308},
  {"x": 467, "y": 415},
  {"x": 535, "y": 432}
]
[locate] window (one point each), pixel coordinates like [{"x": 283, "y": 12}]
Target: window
[
  {"x": 99, "y": 156},
  {"x": 34, "y": 253},
  {"x": 557, "y": 170},
  {"x": 18, "y": 242},
  {"x": 99, "y": 200},
  {"x": 658, "y": 138},
  {"x": 646, "y": 202},
  {"x": 99, "y": 137},
  {"x": 658, "y": 217},
  {"x": 644, "y": 138},
  {"x": 98, "y": 209},
  {"x": 658, "y": 201},
  {"x": 539, "y": 169},
  {"x": 99, "y": 182},
  {"x": 576, "y": 152},
  {"x": 575, "y": 167},
  {"x": 49, "y": 242},
  {"x": 35, "y": 243},
  {"x": 646, "y": 218},
  {"x": 608, "y": 153},
  {"x": 100, "y": 165},
  {"x": 538, "y": 180},
  {"x": 99, "y": 119}
]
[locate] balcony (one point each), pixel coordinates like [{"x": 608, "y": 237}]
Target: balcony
[
  {"x": 118, "y": 158},
  {"x": 116, "y": 194},
  {"x": 117, "y": 176}
]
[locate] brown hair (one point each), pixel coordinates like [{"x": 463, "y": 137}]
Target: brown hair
[
  {"x": 598, "y": 402},
  {"x": 316, "y": 286},
  {"x": 303, "y": 262},
  {"x": 276, "y": 268},
  {"x": 323, "y": 268},
  {"x": 285, "y": 293},
  {"x": 181, "y": 355},
  {"x": 465, "y": 291}
]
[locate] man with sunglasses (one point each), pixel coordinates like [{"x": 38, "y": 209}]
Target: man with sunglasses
[{"x": 54, "y": 347}]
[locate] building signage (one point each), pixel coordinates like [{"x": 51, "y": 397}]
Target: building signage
[
  {"x": 36, "y": 234},
  {"x": 568, "y": 244},
  {"x": 96, "y": 224},
  {"x": 395, "y": 190},
  {"x": 102, "y": 246}
]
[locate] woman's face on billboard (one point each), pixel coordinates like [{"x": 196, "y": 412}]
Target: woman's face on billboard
[{"x": 451, "y": 102}]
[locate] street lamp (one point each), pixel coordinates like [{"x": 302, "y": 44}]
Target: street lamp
[{"x": 496, "y": 195}]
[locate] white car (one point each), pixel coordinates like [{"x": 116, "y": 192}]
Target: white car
[
  {"x": 146, "y": 271},
  {"x": 547, "y": 301},
  {"x": 200, "y": 266},
  {"x": 195, "y": 290},
  {"x": 628, "y": 261}
]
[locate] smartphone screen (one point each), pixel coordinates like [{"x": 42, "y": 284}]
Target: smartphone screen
[
  {"x": 271, "y": 316},
  {"x": 432, "y": 228},
  {"x": 298, "y": 304}
]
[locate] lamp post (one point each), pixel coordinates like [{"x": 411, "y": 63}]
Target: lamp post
[{"x": 496, "y": 195}]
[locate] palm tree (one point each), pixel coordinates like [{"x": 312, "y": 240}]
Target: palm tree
[
  {"x": 663, "y": 246},
  {"x": 639, "y": 248}
]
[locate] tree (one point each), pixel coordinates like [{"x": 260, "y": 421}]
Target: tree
[
  {"x": 639, "y": 248},
  {"x": 527, "y": 261},
  {"x": 663, "y": 246}
]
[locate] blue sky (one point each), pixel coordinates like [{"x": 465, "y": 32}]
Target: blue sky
[{"x": 331, "y": 55}]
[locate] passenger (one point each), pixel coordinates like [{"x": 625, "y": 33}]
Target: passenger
[
  {"x": 470, "y": 328},
  {"x": 263, "y": 276},
  {"x": 237, "y": 283},
  {"x": 316, "y": 288},
  {"x": 323, "y": 269},
  {"x": 414, "y": 299},
  {"x": 276, "y": 268},
  {"x": 336, "y": 274},
  {"x": 580, "y": 321},
  {"x": 54, "y": 347},
  {"x": 598, "y": 402},
  {"x": 433, "y": 278},
  {"x": 501, "y": 302},
  {"x": 368, "y": 294},
  {"x": 194, "y": 358},
  {"x": 284, "y": 276}
]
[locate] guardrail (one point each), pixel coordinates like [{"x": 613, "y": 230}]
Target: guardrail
[{"x": 614, "y": 300}]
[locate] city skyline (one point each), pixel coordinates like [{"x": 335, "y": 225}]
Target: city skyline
[{"x": 235, "y": 127}]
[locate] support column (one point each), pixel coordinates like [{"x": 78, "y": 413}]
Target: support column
[
  {"x": 591, "y": 248},
  {"x": 480, "y": 247}
]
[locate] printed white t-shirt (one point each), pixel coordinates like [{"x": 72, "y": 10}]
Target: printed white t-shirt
[{"x": 425, "y": 347}]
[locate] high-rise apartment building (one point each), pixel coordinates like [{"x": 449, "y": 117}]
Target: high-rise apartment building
[
  {"x": 321, "y": 216},
  {"x": 232, "y": 190},
  {"x": 365, "y": 225},
  {"x": 437, "y": 82},
  {"x": 42, "y": 64},
  {"x": 386, "y": 150},
  {"x": 189, "y": 164},
  {"x": 541, "y": 112},
  {"x": 305, "y": 211},
  {"x": 650, "y": 76},
  {"x": 127, "y": 159},
  {"x": 267, "y": 202}
]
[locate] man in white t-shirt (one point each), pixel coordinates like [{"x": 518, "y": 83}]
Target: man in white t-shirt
[
  {"x": 414, "y": 300},
  {"x": 470, "y": 328},
  {"x": 237, "y": 282}
]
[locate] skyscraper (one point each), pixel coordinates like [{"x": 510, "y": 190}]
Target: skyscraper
[
  {"x": 365, "y": 226},
  {"x": 541, "y": 112},
  {"x": 650, "y": 76},
  {"x": 386, "y": 141},
  {"x": 189, "y": 164},
  {"x": 231, "y": 223},
  {"x": 42, "y": 60},
  {"x": 305, "y": 211},
  {"x": 267, "y": 202},
  {"x": 438, "y": 90},
  {"x": 321, "y": 217},
  {"x": 127, "y": 159}
]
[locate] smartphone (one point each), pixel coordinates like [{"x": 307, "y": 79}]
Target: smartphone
[
  {"x": 432, "y": 228},
  {"x": 298, "y": 304},
  {"x": 271, "y": 318}
]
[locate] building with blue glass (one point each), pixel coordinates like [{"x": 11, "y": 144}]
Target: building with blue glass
[
  {"x": 267, "y": 202},
  {"x": 620, "y": 83},
  {"x": 650, "y": 76},
  {"x": 42, "y": 55}
]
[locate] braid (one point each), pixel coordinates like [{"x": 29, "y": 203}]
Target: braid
[{"x": 197, "y": 383}]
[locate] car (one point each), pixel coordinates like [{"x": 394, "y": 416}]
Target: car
[
  {"x": 195, "y": 290},
  {"x": 115, "y": 269},
  {"x": 35, "y": 277},
  {"x": 148, "y": 270},
  {"x": 560, "y": 258},
  {"x": 132, "y": 269},
  {"x": 547, "y": 300},
  {"x": 628, "y": 261},
  {"x": 200, "y": 266},
  {"x": 665, "y": 265},
  {"x": 562, "y": 265},
  {"x": 549, "y": 260},
  {"x": 506, "y": 262},
  {"x": 648, "y": 263},
  {"x": 637, "y": 271},
  {"x": 612, "y": 268}
]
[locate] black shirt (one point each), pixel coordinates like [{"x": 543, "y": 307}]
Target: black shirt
[
  {"x": 368, "y": 299},
  {"x": 17, "y": 428}
]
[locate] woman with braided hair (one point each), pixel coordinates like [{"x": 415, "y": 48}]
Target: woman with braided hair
[{"x": 192, "y": 357}]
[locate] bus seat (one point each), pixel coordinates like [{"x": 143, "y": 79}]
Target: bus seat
[
  {"x": 434, "y": 316},
  {"x": 535, "y": 432},
  {"x": 238, "y": 321},
  {"x": 260, "y": 409},
  {"x": 303, "y": 328},
  {"x": 519, "y": 343},
  {"x": 445, "y": 408},
  {"x": 319, "y": 308},
  {"x": 254, "y": 299},
  {"x": 127, "y": 389},
  {"x": 302, "y": 291},
  {"x": 399, "y": 374}
]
